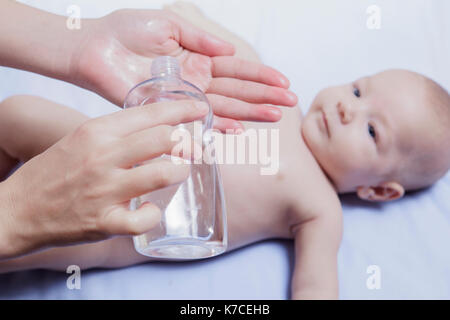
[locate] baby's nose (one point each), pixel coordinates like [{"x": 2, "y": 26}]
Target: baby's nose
[{"x": 344, "y": 113}]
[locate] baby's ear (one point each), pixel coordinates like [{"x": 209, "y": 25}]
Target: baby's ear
[{"x": 387, "y": 191}]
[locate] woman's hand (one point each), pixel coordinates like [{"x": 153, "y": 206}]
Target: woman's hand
[
  {"x": 111, "y": 54},
  {"x": 118, "y": 49},
  {"x": 79, "y": 189}
]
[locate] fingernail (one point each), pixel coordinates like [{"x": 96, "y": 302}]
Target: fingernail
[
  {"x": 276, "y": 113},
  {"x": 238, "y": 125},
  {"x": 238, "y": 128},
  {"x": 292, "y": 97},
  {"x": 235, "y": 127},
  {"x": 284, "y": 82},
  {"x": 214, "y": 40}
]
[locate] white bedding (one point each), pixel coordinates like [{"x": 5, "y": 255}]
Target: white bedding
[{"x": 315, "y": 43}]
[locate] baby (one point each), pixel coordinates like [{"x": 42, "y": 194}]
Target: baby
[{"x": 379, "y": 136}]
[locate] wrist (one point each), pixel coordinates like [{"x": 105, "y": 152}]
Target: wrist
[
  {"x": 68, "y": 45},
  {"x": 75, "y": 70},
  {"x": 8, "y": 230},
  {"x": 315, "y": 294},
  {"x": 44, "y": 43},
  {"x": 16, "y": 231}
]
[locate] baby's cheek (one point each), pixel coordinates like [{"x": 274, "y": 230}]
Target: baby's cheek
[{"x": 349, "y": 159}]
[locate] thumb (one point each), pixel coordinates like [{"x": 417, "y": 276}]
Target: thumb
[
  {"x": 197, "y": 40},
  {"x": 126, "y": 222}
]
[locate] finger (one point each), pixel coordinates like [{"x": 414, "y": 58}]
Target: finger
[
  {"x": 232, "y": 67},
  {"x": 150, "y": 143},
  {"x": 226, "y": 125},
  {"x": 240, "y": 110},
  {"x": 197, "y": 40},
  {"x": 122, "y": 221},
  {"x": 143, "y": 145},
  {"x": 138, "y": 118},
  {"x": 252, "y": 92},
  {"x": 154, "y": 175}
]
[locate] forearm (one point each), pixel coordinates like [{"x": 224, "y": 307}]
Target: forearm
[
  {"x": 85, "y": 256},
  {"x": 318, "y": 281},
  {"x": 316, "y": 271},
  {"x": 36, "y": 41},
  {"x": 113, "y": 253}
]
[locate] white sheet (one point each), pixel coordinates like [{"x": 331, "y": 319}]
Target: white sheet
[{"x": 315, "y": 43}]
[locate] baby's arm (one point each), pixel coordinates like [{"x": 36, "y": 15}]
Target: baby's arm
[{"x": 317, "y": 242}]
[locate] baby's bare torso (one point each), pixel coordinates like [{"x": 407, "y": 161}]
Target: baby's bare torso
[{"x": 267, "y": 206}]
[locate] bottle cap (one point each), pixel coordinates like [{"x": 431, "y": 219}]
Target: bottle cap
[{"x": 165, "y": 66}]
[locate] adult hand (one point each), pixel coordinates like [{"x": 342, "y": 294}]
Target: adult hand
[
  {"x": 79, "y": 189},
  {"x": 111, "y": 54},
  {"x": 117, "y": 51}
]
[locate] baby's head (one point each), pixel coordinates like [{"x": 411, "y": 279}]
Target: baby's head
[{"x": 383, "y": 134}]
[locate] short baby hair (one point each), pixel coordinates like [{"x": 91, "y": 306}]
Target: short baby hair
[{"x": 424, "y": 167}]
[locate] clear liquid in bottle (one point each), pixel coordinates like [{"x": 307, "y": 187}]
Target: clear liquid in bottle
[{"x": 193, "y": 224}]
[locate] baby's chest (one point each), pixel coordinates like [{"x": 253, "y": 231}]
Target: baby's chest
[{"x": 308, "y": 190}]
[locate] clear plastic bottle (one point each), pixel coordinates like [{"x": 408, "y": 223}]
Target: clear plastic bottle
[{"x": 193, "y": 224}]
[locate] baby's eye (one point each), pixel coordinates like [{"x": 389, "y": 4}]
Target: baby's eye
[
  {"x": 372, "y": 131},
  {"x": 356, "y": 92}
]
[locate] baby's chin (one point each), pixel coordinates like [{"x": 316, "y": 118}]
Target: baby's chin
[
  {"x": 316, "y": 145},
  {"x": 313, "y": 133},
  {"x": 314, "y": 140}
]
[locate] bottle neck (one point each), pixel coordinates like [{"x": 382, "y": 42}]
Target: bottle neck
[{"x": 166, "y": 66}]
